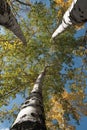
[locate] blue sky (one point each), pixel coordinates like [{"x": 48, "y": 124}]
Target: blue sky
[{"x": 19, "y": 100}]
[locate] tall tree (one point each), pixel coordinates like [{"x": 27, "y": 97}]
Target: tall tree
[
  {"x": 32, "y": 116},
  {"x": 20, "y": 67},
  {"x": 8, "y": 20},
  {"x": 75, "y": 14}
]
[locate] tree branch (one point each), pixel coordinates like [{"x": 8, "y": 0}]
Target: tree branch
[{"x": 23, "y": 3}]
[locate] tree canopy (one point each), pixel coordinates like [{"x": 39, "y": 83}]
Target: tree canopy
[{"x": 64, "y": 87}]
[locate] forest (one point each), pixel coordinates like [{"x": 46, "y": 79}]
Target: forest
[{"x": 43, "y": 81}]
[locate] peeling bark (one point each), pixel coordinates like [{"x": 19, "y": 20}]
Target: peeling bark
[{"x": 31, "y": 115}]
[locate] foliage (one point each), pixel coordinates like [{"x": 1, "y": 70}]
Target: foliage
[
  {"x": 62, "y": 6},
  {"x": 64, "y": 107},
  {"x": 20, "y": 66}
]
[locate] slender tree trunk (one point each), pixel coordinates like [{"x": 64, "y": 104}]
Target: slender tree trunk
[
  {"x": 8, "y": 20},
  {"x": 31, "y": 115}
]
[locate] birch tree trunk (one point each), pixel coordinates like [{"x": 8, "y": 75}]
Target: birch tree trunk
[
  {"x": 31, "y": 115},
  {"x": 8, "y": 20}
]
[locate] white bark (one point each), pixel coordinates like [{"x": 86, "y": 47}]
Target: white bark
[
  {"x": 8, "y": 20},
  {"x": 65, "y": 21},
  {"x": 32, "y": 111}
]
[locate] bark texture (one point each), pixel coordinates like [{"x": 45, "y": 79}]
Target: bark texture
[
  {"x": 8, "y": 20},
  {"x": 75, "y": 14},
  {"x": 31, "y": 115}
]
